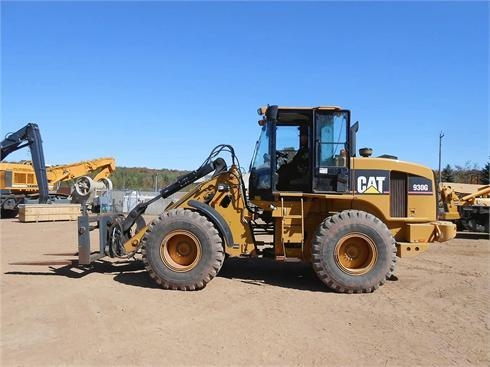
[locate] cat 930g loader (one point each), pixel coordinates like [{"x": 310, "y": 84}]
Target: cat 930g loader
[{"x": 309, "y": 198}]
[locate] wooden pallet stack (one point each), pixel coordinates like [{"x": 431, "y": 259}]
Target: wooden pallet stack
[{"x": 48, "y": 212}]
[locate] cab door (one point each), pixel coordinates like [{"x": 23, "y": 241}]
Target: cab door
[{"x": 331, "y": 142}]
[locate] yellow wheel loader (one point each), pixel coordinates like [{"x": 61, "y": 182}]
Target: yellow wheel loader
[{"x": 309, "y": 197}]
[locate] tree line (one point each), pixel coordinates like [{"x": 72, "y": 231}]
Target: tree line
[
  {"x": 143, "y": 179},
  {"x": 470, "y": 174}
]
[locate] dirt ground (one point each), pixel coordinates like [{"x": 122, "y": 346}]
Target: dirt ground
[{"x": 256, "y": 312}]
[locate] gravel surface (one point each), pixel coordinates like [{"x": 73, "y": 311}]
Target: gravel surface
[{"x": 256, "y": 312}]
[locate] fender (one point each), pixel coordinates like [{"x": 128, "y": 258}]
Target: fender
[{"x": 216, "y": 218}]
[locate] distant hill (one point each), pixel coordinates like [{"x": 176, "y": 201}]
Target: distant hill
[{"x": 144, "y": 179}]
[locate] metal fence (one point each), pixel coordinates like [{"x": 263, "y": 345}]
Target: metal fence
[{"x": 125, "y": 200}]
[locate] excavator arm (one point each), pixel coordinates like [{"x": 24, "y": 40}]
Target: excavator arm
[{"x": 30, "y": 136}]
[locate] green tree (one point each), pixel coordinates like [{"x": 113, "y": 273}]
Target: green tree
[
  {"x": 470, "y": 173},
  {"x": 484, "y": 173},
  {"x": 137, "y": 178},
  {"x": 447, "y": 174}
]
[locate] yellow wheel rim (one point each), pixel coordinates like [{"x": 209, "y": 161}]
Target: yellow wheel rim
[
  {"x": 180, "y": 250},
  {"x": 356, "y": 254}
]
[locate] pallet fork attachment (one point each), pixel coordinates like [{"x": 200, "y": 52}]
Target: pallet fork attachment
[{"x": 85, "y": 255}]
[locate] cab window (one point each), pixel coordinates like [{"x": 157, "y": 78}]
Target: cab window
[{"x": 332, "y": 138}]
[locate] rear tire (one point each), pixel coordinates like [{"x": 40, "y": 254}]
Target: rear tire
[
  {"x": 182, "y": 250},
  {"x": 353, "y": 252}
]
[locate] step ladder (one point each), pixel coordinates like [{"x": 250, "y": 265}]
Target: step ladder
[{"x": 287, "y": 217}]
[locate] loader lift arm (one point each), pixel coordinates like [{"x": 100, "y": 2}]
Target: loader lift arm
[
  {"x": 30, "y": 136},
  {"x": 217, "y": 165},
  {"x": 114, "y": 230}
]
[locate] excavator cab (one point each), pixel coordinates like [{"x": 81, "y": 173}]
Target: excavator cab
[{"x": 302, "y": 150}]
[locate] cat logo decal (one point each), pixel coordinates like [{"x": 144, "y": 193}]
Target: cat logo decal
[{"x": 373, "y": 182}]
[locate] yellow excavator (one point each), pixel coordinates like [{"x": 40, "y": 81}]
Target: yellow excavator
[{"x": 309, "y": 197}]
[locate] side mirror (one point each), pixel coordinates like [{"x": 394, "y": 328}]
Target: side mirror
[
  {"x": 352, "y": 137},
  {"x": 271, "y": 113}
]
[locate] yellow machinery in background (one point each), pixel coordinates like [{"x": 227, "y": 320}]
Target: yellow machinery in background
[
  {"x": 28, "y": 135},
  {"x": 32, "y": 182},
  {"x": 467, "y": 205},
  {"x": 23, "y": 178},
  {"x": 19, "y": 179},
  {"x": 101, "y": 168}
]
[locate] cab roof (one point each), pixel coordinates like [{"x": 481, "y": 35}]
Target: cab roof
[
  {"x": 262, "y": 110},
  {"x": 287, "y": 114}
]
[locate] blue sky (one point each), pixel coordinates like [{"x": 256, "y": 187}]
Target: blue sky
[{"x": 159, "y": 84}]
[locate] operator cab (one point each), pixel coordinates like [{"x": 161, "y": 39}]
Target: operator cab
[{"x": 301, "y": 150}]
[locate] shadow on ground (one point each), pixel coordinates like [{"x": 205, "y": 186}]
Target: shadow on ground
[
  {"x": 271, "y": 272},
  {"x": 74, "y": 271},
  {"x": 259, "y": 272},
  {"x": 473, "y": 235}
]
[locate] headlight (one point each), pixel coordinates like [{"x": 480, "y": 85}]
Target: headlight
[{"x": 223, "y": 188}]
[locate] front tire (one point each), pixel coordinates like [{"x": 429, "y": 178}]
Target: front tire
[
  {"x": 182, "y": 250},
  {"x": 353, "y": 252}
]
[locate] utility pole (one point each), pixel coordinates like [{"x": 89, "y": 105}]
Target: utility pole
[{"x": 441, "y": 135}]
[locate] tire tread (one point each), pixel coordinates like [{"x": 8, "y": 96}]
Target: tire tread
[
  {"x": 216, "y": 242},
  {"x": 324, "y": 234}
]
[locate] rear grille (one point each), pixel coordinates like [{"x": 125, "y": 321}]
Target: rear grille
[{"x": 398, "y": 194}]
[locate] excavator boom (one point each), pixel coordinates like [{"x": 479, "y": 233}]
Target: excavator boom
[{"x": 29, "y": 136}]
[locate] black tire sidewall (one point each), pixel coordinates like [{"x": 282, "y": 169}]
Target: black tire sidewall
[
  {"x": 342, "y": 225},
  {"x": 210, "y": 250}
]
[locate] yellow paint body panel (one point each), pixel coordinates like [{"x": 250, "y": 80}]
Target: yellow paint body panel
[
  {"x": 134, "y": 243},
  {"x": 417, "y": 226},
  {"x": 420, "y": 232},
  {"x": 420, "y": 209},
  {"x": 235, "y": 213},
  {"x": 18, "y": 177},
  {"x": 404, "y": 249}
]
